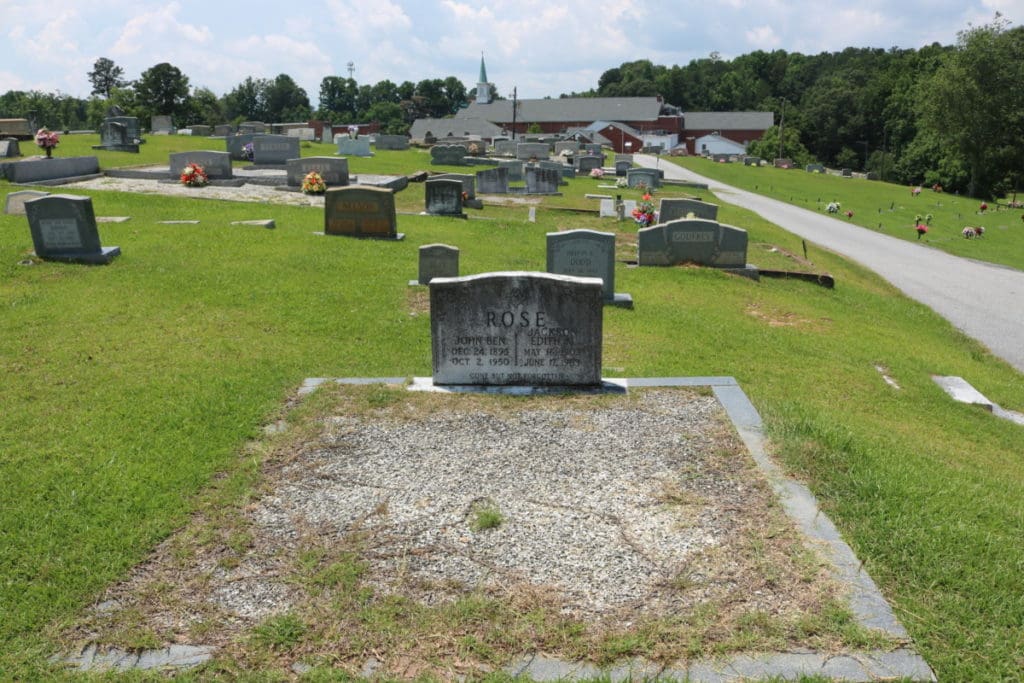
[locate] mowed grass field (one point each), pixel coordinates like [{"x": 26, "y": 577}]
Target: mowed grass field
[{"x": 130, "y": 390}]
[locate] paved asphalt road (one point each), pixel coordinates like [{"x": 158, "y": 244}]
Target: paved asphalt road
[{"x": 985, "y": 301}]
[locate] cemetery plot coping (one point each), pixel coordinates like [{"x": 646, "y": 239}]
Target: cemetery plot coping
[
  {"x": 64, "y": 229},
  {"x": 516, "y": 329}
]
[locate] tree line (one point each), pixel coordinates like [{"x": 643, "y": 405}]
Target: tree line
[
  {"x": 945, "y": 115},
  {"x": 164, "y": 89}
]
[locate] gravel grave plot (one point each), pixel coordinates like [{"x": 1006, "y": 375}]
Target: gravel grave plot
[
  {"x": 263, "y": 194},
  {"x": 619, "y": 509}
]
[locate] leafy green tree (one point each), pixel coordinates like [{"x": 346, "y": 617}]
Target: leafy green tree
[
  {"x": 286, "y": 101},
  {"x": 105, "y": 76},
  {"x": 247, "y": 101},
  {"x": 768, "y": 146},
  {"x": 338, "y": 98},
  {"x": 206, "y": 108},
  {"x": 974, "y": 100},
  {"x": 163, "y": 89},
  {"x": 391, "y": 117}
]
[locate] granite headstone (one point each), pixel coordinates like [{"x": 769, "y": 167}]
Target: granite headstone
[
  {"x": 437, "y": 260},
  {"x": 64, "y": 229},
  {"x": 358, "y": 211}
]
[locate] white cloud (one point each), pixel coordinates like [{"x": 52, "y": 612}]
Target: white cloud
[{"x": 762, "y": 38}]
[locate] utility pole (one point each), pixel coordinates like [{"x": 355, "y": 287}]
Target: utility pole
[
  {"x": 515, "y": 107},
  {"x": 351, "y": 68},
  {"x": 782, "y": 125}
]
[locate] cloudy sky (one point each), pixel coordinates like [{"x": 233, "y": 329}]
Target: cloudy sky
[{"x": 543, "y": 47}]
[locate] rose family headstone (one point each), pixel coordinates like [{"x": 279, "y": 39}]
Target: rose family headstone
[{"x": 516, "y": 329}]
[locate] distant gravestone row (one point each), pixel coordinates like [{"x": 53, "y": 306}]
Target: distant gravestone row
[
  {"x": 392, "y": 142},
  {"x": 354, "y": 147}
]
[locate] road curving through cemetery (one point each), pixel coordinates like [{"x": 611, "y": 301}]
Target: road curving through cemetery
[{"x": 983, "y": 300}]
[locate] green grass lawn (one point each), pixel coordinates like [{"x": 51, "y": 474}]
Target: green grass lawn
[
  {"x": 130, "y": 389},
  {"x": 885, "y": 207}
]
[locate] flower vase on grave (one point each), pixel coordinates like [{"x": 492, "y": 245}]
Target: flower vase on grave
[{"x": 49, "y": 152}]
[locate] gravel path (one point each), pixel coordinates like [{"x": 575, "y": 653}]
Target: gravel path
[{"x": 983, "y": 300}]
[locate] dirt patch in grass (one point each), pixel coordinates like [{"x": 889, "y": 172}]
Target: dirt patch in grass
[{"x": 615, "y": 526}]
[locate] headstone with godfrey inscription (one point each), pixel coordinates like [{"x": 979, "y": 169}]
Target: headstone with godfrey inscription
[
  {"x": 443, "y": 197},
  {"x": 333, "y": 170},
  {"x": 358, "y": 211},
  {"x": 437, "y": 260},
  {"x": 448, "y": 155},
  {"x": 586, "y": 253},
  {"x": 702, "y": 242},
  {"x": 670, "y": 209},
  {"x": 516, "y": 329},
  {"x": 64, "y": 229},
  {"x": 274, "y": 150},
  {"x": 493, "y": 180},
  {"x": 354, "y": 147},
  {"x": 392, "y": 142},
  {"x": 216, "y": 164}
]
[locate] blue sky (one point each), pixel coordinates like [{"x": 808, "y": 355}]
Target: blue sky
[{"x": 543, "y": 47}]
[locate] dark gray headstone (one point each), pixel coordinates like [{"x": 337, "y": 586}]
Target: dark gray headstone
[
  {"x": 814, "y": 168},
  {"x": 274, "y": 150},
  {"x": 303, "y": 133},
  {"x": 131, "y": 123},
  {"x": 468, "y": 182},
  {"x": 648, "y": 177},
  {"x": 357, "y": 211},
  {"x": 354, "y": 147},
  {"x": 622, "y": 167},
  {"x": 515, "y": 169},
  {"x": 703, "y": 242},
  {"x": 516, "y": 328},
  {"x": 526, "y": 151},
  {"x": 624, "y": 157},
  {"x": 114, "y": 137},
  {"x": 216, "y": 164},
  {"x": 448, "y": 155},
  {"x": 560, "y": 168},
  {"x": 593, "y": 149},
  {"x": 847, "y": 173},
  {"x": 443, "y": 197},
  {"x": 15, "y": 203},
  {"x": 493, "y": 181},
  {"x": 588, "y": 163},
  {"x": 542, "y": 180},
  {"x": 202, "y": 131},
  {"x": 236, "y": 145},
  {"x": 751, "y": 161},
  {"x": 674, "y": 209},
  {"x": 392, "y": 142},
  {"x": 333, "y": 170},
  {"x": 223, "y": 130},
  {"x": 35, "y": 170},
  {"x": 64, "y": 229},
  {"x": 438, "y": 260},
  {"x": 584, "y": 253}
]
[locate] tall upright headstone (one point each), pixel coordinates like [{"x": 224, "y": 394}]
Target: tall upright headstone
[
  {"x": 443, "y": 197},
  {"x": 493, "y": 180},
  {"x": 437, "y": 260},
  {"x": 516, "y": 329},
  {"x": 333, "y": 170},
  {"x": 274, "y": 150},
  {"x": 358, "y": 211},
  {"x": 64, "y": 229},
  {"x": 586, "y": 253}
]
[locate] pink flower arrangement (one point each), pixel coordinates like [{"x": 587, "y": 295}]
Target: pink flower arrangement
[
  {"x": 849, "y": 214},
  {"x": 915, "y": 191},
  {"x": 921, "y": 230},
  {"x": 47, "y": 139},
  {"x": 597, "y": 173}
]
